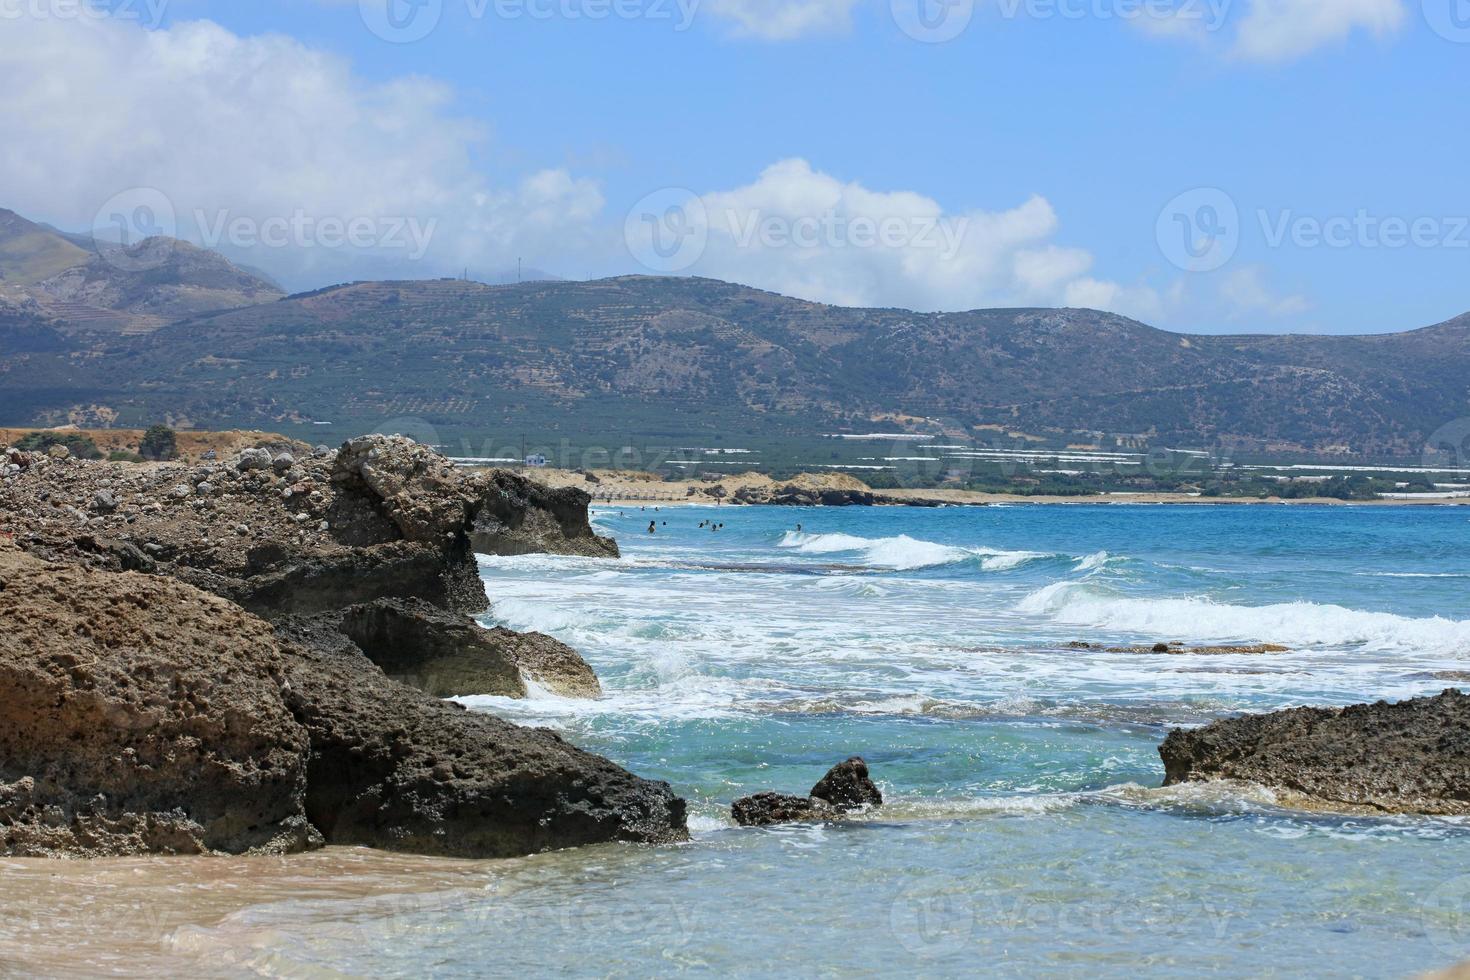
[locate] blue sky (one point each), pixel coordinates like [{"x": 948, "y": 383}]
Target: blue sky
[{"x": 1068, "y": 149}]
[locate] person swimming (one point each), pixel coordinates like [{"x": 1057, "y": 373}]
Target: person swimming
[{"x": 652, "y": 527}]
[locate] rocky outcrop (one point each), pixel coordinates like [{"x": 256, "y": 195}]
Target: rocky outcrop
[
  {"x": 792, "y": 495},
  {"x": 439, "y": 653},
  {"x": 766, "y": 809},
  {"x": 447, "y": 655},
  {"x": 393, "y": 768},
  {"x": 515, "y": 516},
  {"x": 141, "y": 716},
  {"x": 847, "y": 788},
  {"x": 1409, "y": 757},
  {"x": 356, "y": 559}
]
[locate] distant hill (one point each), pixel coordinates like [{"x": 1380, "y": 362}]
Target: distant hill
[
  {"x": 31, "y": 253},
  {"x": 81, "y": 285},
  {"x": 642, "y": 358}
]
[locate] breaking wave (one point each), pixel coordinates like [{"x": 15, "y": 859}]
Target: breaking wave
[
  {"x": 903, "y": 553},
  {"x": 1291, "y": 623}
]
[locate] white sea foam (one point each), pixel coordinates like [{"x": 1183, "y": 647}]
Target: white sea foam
[
  {"x": 1291, "y": 623},
  {"x": 903, "y": 553},
  {"x": 1093, "y": 562}
]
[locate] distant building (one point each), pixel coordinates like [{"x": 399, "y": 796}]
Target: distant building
[{"x": 537, "y": 461}]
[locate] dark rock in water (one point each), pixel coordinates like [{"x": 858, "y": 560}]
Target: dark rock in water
[
  {"x": 515, "y": 516},
  {"x": 845, "y": 788},
  {"x": 765, "y": 809},
  {"x": 848, "y": 787},
  {"x": 394, "y": 768},
  {"x": 141, "y": 716},
  {"x": 1410, "y": 757}
]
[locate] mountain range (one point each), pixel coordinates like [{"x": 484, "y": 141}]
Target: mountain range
[{"x": 167, "y": 331}]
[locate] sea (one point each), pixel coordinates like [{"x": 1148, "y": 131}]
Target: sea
[{"x": 1025, "y": 831}]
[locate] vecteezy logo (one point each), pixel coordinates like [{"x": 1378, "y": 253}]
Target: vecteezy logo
[
  {"x": 1199, "y": 230},
  {"x": 1449, "y": 18},
  {"x": 933, "y": 21},
  {"x": 134, "y": 231},
  {"x": 1446, "y": 917},
  {"x": 1449, "y": 446},
  {"x": 401, "y": 21},
  {"x": 667, "y": 231},
  {"x": 932, "y": 926}
]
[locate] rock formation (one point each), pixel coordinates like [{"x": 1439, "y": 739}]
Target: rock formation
[
  {"x": 847, "y": 788},
  {"x": 141, "y": 715},
  {"x": 516, "y": 517},
  {"x": 361, "y": 561},
  {"x": 1409, "y": 757}
]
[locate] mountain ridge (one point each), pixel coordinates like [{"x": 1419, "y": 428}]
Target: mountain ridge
[{"x": 672, "y": 358}]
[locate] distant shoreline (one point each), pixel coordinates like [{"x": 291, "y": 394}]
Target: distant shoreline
[{"x": 628, "y": 488}]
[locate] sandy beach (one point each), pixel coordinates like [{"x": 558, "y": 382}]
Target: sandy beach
[{"x": 636, "y": 488}]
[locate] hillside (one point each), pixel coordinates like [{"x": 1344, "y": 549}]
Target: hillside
[
  {"x": 82, "y": 286},
  {"x": 646, "y": 359}
]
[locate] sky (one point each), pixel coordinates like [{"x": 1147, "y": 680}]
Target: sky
[{"x": 1221, "y": 166}]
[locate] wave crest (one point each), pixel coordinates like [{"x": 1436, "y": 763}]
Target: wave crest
[{"x": 1293, "y": 623}]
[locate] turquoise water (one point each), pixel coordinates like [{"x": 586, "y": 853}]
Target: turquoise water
[{"x": 1025, "y": 833}]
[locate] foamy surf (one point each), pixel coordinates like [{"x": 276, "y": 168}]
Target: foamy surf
[
  {"x": 1297, "y": 624},
  {"x": 903, "y": 553}
]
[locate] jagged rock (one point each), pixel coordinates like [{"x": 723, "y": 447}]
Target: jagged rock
[
  {"x": 282, "y": 464},
  {"x": 440, "y": 653},
  {"x": 141, "y": 716},
  {"x": 389, "y": 766},
  {"x": 1409, "y": 757},
  {"x": 515, "y": 516},
  {"x": 418, "y": 490},
  {"x": 103, "y": 502},
  {"x": 396, "y": 769},
  {"x": 765, "y": 809},
  {"x": 848, "y": 787},
  {"x": 547, "y": 662}
]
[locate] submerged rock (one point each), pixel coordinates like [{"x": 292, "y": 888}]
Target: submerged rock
[
  {"x": 141, "y": 716},
  {"x": 1409, "y": 757},
  {"x": 765, "y": 809},
  {"x": 845, "y": 789}
]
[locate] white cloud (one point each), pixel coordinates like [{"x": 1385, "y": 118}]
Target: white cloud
[
  {"x": 266, "y": 128},
  {"x": 1245, "y": 292},
  {"x": 1280, "y": 30},
  {"x": 802, "y": 232},
  {"x": 254, "y": 127},
  {"x": 783, "y": 20},
  {"x": 1276, "y": 30}
]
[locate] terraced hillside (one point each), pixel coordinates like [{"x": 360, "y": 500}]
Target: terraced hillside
[{"x": 659, "y": 358}]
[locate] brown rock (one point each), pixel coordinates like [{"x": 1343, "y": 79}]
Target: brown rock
[
  {"x": 141, "y": 716},
  {"x": 1410, "y": 757},
  {"x": 516, "y": 516},
  {"x": 396, "y": 769}
]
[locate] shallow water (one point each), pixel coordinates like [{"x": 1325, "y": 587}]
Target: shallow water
[{"x": 1025, "y": 832}]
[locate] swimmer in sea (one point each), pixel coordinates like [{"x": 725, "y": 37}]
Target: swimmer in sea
[{"x": 652, "y": 527}]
